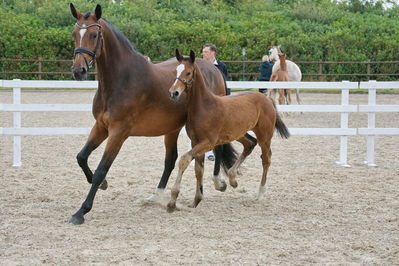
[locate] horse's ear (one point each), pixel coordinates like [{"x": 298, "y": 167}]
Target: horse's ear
[
  {"x": 98, "y": 12},
  {"x": 75, "y": 13},
  {"x": 192, "y": 56},
  {"x": 179, "y": 57}
]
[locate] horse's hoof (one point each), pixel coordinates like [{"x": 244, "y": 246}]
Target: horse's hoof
[
  {"x": 195, "y": 203},
  {"x": 152, "y": 198},
  {"x": 157, "y": 196},
  {"x": 76, "y": 220},
  {"x": 104, "y": 185},
  {"x": 234, "y": 184},
  {"x": 223, "y": 187},
  {"x": 171, "y": 207}
]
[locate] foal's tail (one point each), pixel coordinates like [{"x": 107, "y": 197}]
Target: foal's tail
[
  {"x": 229, "y": 156},
  {"x": 281, "y": 128}
]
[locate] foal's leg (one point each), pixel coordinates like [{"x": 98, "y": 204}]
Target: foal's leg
[
  {"x": 170, "y": 142},
  {"x": 112, "y": 148},
  {"x": 266, "y": 159},
  {"x": 184, "y": 161},
  {"x": 280, "y": 96},
  {"x": 272, "y": 94},
  {"x": 199, "y": 174},
  {"x": 97, "y": 135},
  {"x": 249, "y": 144},
  {"x": 197, "y": 151}
]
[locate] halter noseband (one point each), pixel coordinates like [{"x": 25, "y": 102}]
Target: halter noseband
[
  {"x": 187, "y": 83},
  {"x": 82, "y": 50}
]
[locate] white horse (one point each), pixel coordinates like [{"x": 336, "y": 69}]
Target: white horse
[{"x": 294, "y": 73}]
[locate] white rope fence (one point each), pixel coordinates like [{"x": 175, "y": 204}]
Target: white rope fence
[{"x": 344, "y": 109}]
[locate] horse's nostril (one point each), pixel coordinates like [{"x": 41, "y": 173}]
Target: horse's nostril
[
  {"x": 83, "y": 70},
  {"x": 176, "y": 93}
]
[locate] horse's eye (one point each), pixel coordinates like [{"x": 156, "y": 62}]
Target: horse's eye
[{"x": 188, "y": 74}]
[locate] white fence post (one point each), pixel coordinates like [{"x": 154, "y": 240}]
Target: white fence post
[
  {"x": 343, "y": 150},
  {"x": 372, "y": 100},
  {"x": 17, "y": 124}
]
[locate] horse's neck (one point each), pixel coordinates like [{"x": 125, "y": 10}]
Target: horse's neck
[
  {"x": 198, "y": 96},
  {"x": 283, "y": 64},
  {"x": 118, "y": 60}
]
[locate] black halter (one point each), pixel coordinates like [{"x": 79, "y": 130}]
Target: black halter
[{"x": 82, "y": 50}]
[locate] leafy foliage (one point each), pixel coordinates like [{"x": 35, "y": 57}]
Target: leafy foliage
[{"x": 352, "y": 30}]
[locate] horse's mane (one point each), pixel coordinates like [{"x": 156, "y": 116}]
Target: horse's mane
[{"x": 121, "y": 37}]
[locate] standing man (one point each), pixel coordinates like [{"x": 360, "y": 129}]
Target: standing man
[
  {"x": 209, "y": 54},
  {"x": 265, "y": 71}
]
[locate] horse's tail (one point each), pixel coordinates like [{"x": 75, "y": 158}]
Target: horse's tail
[
  {"x": 229, "y": 156},
  {"x": 281, "y": 128}
]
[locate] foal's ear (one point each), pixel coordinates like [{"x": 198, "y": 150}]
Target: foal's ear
[
  {"x": 179, "y": 57},
  {"x": 98, "y": 12},
  {"x": 192, "y": 56},
  {"x": 75, "y": 13}
]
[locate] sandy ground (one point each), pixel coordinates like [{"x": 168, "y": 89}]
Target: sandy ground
[{"x": 313, "y": 212}]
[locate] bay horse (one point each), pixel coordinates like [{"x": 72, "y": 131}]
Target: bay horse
[
  {"x": 294, "y": 72},
  {"x": 281, "y": 75},
  {"x": 132, "y": 100},
  {"x": 213, "y": 120}
]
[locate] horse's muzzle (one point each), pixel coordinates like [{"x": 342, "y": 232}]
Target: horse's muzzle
[
  {"x": 174, "y": 95},
  {"x": 79, "y": 73}
]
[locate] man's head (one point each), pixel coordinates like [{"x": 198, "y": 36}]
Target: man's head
[{"x": 209, "y": 52}]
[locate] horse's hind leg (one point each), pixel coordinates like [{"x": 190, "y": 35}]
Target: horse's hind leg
[
  {"x": 266, "y": 159},
  {"x": 288, "y": 96},
  {"x": 199, "y": 173},
  {"x": 170, "y": 142},
  {"x": 249, "y": 144},
  {"x": 112, "y": 148},
  {"x": 217, "y": 181},
  {"x": 97, "y": 135}
]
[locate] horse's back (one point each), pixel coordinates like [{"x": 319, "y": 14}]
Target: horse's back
[
  {"x": 242, "y": 112},
  {"x": 249, "y": 100}
]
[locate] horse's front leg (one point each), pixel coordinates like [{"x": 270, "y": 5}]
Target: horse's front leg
[
  {"x": 97, "y": 135},
  {"x": 170, "y": 142},
  {"x": 184, "y": 161},
  {"x": 197, "y": 151},
  {"x": 199, "y": 174},
  {"x": 114, "y": 144}
]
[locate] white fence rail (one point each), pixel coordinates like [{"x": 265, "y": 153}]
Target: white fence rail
[{"x": 344, "y": 109}]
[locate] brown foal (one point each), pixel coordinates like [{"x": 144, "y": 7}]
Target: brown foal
[
  {"x": 213, "y": 120},
  {"x": 281, "y": 75}
]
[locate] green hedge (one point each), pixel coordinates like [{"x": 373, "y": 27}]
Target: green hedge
[{"x": 352, "y": 30}]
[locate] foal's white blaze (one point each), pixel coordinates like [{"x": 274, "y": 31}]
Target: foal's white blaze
[
  {"x": 82, "y": 33},
  {"x": 179, "y": 69}
]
